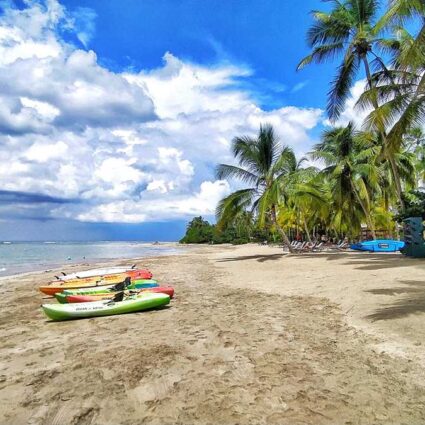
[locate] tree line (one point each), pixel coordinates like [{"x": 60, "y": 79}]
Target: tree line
[
  {"x": 368, "y": 174},
  {"x": 241, "y": 230}
]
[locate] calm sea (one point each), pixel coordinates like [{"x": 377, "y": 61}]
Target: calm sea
[{"x": 20, "y": 257}]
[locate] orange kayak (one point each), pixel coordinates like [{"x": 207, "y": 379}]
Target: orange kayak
[{"x": 59, "y": 285}]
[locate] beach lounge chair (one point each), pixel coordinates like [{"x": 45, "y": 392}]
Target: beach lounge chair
[
  {"x": 319, "y": 247},
  {"x": 300, "y": 247},
  {"x": 341, "y": 245},
  {"x": 311, "y": 246}
]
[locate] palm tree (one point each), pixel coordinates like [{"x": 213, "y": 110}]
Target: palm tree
[
  {"x": 350, "y": 30},
  {"x": 349, "y": 160},
  {"x": 415, "y": 143},
  {"x": 401, "y": 94},
  {"x": 267, "y": 167},
  {"x": 306, "y": 195}
]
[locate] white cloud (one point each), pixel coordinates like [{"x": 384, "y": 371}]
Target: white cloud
[
  {"x": 299, "y": 86},
  {"x": 171, "y": 156},
  {"x": 44, "y": 152},
  {"x": 130, "y": 146},
  {"x": 37, "y": 66},
  {"x": 201, "y": 203},
  {"x": 160, "y": 185}
]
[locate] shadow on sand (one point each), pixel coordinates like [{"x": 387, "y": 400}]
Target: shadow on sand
[
  {"x": 412, "y": 292},
  {"x": 363, "y": 261},
  {"x": 259, "y": 258},
  {"x": 368, "y": 261},
  {"x": 412, "y": 302}
]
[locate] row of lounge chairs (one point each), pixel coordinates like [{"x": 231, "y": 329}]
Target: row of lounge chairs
[{"x": 317, "y": 246}]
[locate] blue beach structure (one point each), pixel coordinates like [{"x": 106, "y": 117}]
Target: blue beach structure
[{"x": 379, "y": 245}]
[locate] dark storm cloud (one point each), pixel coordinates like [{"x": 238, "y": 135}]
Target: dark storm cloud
[{"x": 10, "y": 197}]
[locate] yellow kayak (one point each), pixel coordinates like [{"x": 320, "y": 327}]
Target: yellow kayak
[{"x": 58, "y": 285}]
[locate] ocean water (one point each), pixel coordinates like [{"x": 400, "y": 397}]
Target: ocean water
[{"x": 21, "y": 257}]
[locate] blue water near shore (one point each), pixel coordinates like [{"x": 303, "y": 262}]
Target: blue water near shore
[{"x": 20, "y": 257}]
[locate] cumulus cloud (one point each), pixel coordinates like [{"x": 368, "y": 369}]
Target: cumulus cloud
[
  {"x": 130, "y": 146},
  {"x": 202, "y": 202}
]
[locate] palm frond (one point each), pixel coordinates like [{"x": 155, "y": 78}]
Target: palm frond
[
  {"x": 331, "y": 27},
  {"x": 244, "y": 149},
  {"x": 267, "y": 148},
  {"x": 225, "y": 171},
  {"x": 340, "y": 87},
  {"x": 285, "y": 163},
  {"x": 400, "y": 11},
  {"x": 322, "y": 54},
  {"x": 234, "y": 204}
]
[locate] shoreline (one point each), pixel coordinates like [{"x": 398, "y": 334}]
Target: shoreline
[
  {"x": 252, "y": 336},
  {"x": 90, "y": 262}
]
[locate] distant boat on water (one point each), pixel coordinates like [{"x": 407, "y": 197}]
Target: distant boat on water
[
  {"x": 379, "y": 245},
  {"x": 6, "y": 242},
  {"x": 48, "y": 242}
]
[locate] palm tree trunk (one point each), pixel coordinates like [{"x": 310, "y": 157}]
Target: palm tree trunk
[
  {"x": 366, "y": 212},
  {"x": 387, "y": 210},
  {"x": 306, "y": 229},
  {"x": 396, "y": 177},
  {"x": 280, "y": 230},
  {"x": 388, "y": 155}
]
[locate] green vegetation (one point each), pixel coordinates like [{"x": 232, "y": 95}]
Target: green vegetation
[
  {"x": 368, "y": 175},
  {"x": 414, "y": 205},
  {"x": 239, "y": 231},
  {"x": 199, "y": 231}
]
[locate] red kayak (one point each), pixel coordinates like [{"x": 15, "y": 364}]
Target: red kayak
[
  {"x": 107, "y": 296},
  {"x": 139, "y": 274}
]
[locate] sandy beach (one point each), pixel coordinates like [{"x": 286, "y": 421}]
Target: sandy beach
[{"x": 252, "y": 337}]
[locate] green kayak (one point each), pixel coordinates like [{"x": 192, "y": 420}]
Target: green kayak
[
  {"x": 137, "y": 284},
  {"x": 105, "y": 308}
]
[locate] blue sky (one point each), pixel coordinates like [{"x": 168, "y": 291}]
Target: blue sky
[
  {"x": 267, "y": 36},
  {"x": 114, "y": 114}
]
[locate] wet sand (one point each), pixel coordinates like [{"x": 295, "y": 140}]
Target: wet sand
[{"x": 252, "y": 337}]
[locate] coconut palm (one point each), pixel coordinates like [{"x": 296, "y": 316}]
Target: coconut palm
[
  {"x": 349, "y": 158},
  {"x": 401, "y": 95},
  {"x": 349, "y": 31},
  {"x": 415, "y": 143},
  {"x": 267, "y": 167},
  {"x": 306, "y": 195},
  {"x": 401, "y": 91}
]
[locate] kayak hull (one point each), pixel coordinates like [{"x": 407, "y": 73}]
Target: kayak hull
[
  {"x": 113, "y": 278},
  {"x": 104, "y": 308},
  {"x": 137, "y": 284},
  {"x": 54, "y": 289},
  {"x": 70, "y": 298},
  {"x": 97, "y": 272},
  {"x": 59, "y": 286},
  {"x": 379, "y": 245}
]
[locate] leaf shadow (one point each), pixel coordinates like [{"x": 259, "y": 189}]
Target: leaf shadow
[{"x": 411, "y": 302}]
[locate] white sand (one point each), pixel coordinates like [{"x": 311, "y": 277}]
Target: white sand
[{"x": 252, "y": 337}]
